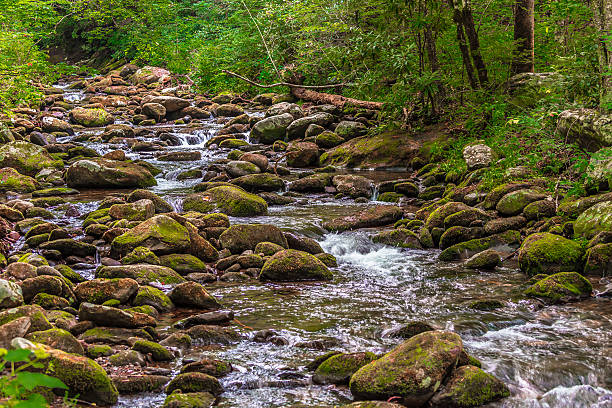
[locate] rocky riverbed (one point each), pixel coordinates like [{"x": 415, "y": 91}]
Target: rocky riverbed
[{"x": 172, "y": 249}]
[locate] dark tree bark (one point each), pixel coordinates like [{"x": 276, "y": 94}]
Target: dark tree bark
[
  {"x": 602, "y": 10},
  {"x": 466, "y": 34},
  {"x": 523, "y": 36}
]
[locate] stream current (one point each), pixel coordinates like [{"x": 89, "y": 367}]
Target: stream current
[{"x": 557, "y": 356}]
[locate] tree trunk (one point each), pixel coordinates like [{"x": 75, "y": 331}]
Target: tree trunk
[
  {"x": 524, "y": 36},
  {"x": 466, "y": 33},
  {"x": 603, "y": 20},
  {"x": 337, "y": 100}
]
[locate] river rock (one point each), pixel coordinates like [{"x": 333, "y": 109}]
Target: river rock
[
  {"x": 161, "y": 205},
  {"x": 348, "y": 129},
  {"x": 137, "y": 211},
  {"x": 259, "y": 182},
  {"x": 283, "y": 108},
  {"x": 154, "y": 110},
  {"x": 52, "y": 124},
  {"x": 241, "y": 237},
  {"x": 230, "y": 200},
  {"x": 398, "y": 237},
  {"x": 477, "y": 156},
  {"x": 589, "y": 127},
  {"x": 170, "y": 103},
  {"x": 144, "y": 274},
  {"x": 302, "y": 243},
  {"x": 104, "y": 173},
  {"x": 561, "y": 287},
  {"x": 594, "y": 220},
  {"x": 189, "y": 400},
  {"x": 194, "y": 382},
  {"x": 377, "y": 216},
  {"x": 469, "y": 386},
  {"x": 27, "y": 158},
  {"x": 99, "y": 291},
  {"x": 10, "y": 294},
  {"x": 36, "y": 314},
  {"x": 238, "y": 168},
  {"x": 487, "y": 259},
  {"x": 339, "y": 368},
  {"x": 216, "y": 368},
  {"x": 12, "y": 329},
  {"x": 113, "y": 317},
  {"x": 58, "y": 339},
  {"x": 12, "y": 180},
  {"x": 91, "y": 117},
  {"x": 413, "y": 371},
  {"x": 353, "y": 186},
  {"x": 513, "y": 203},
  {"x": 160, "y": 234},
  {"x": 328, "y": 140},
  {"x": 292, "y": 265},
  {"x": 192, "y": 294},
  {"x": 549, "y": 253},
  {"x": 302, "y": 154},
  {"x": 272, "y": 128},
  {"x": 599, "y": 260},
  {"x": 297, "y": 128}
]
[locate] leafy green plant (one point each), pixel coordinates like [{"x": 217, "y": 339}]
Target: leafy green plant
[{"x": 20, "y": 388}]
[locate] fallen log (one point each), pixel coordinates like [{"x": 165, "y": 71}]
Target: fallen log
[{"x": 306, "y": 93}]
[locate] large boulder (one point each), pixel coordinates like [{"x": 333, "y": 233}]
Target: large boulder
[
  {"x": 548, "y": 253},
  {"x": 58, "y": 339},
  {"x": 348, "y": 129},
  {"x": 413, "y": 371},
  {"x": 27, "y": 158},
  {"x": 12, "y": 180},
  {"x": 238, "y": 168},
  {"x": 561, "y": 287},
  {"x": 149, "y": 75},
  {"x": 478, "y": 156},
  {"x": 598, "y": 260},
  {"x": 95, "y": 117},
  {"x": 338, "y": 369},
  {"x": 161, "y": 234},
  {"x": 297, "y": 129},
  {"x": 292, "y": 265},
  {"x": 302, "y": 154},
  {"x": 229, "y": 200},
  {"x": 170, "y": 103},
  {"x": 241, "y": 237},
  {"x": 377, "y": 216},
  {"x": 137, "y": 211},
  {"x": 104, "y": 173},
  {"x": 192, "y": 294},
  {"x": 590, "y": 128},
  {"x": 260, "y": 182},
  {"x": 514, "y": 202},
  {"x": 353, "y": 185},
  {"x": 594, "y": 220},
  {"x": 272, "y": 128},
  {"x": 52, "y": 124},
  {"x": 469, "y": 386},
  {"x": 143, "y": 274},
  {"x": 99, "y": 291}
]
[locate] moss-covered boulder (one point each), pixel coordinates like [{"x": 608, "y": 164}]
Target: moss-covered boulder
[
  {"x": 142, "y": 273},
  {"x": 113, "y": 335},
  {"x": 161, "y": 205},
  {"x": 549, "y": 253},
  {"x": 157, "y": 351},
  {"x": 267, "y": 248},
  {"x": 192, "y": 294},
  {"x": 113, "y": 317},
  {"x": 399, "y": 237},
  {"x": 353, "y": 186},
  {"x": 195, "y": 382},
  {"x": 232, "y": 201},
  {"x": 328, "y": 140},
  {"x": 135, "y": 384},
  {"x": 183, "y": 263},
  {"x": 10, "y": 294},
  {"x": 104, "y": 173},
  {"x": 82, "y": 375},
  {"x": 293, "y": 265},
  {"x": 467, "y": 249},
  {"x": 514, "y": 202},
  {"x": 594, "y": 220},
  {"x": 599, "y": 260},
  {"x": 241, "y": 237},
  {"x": 27, "y": 158},
  {"x": 137, "y": 211},
  {"x": 161, "y": 234},
  {"x": 150, "y": 296},
  {"x": 12, "y": 180},
  {"x": 390, "y": 149},
  {"x": 339, "y": 368},
  {"x": 189, "y": 400},
  {"x": 98, "y": 291},
  {"x": 487, "y": 259},
  {"x": 561, "y": 287},
  {"x": 95, "y": 117},
  {"x": 272, "y": 128},
  {"x": 260, "y": 182},
  {"x": 36, "y": 314},
  {"x": 413, "y": 371},
  {"x": 216, "y": 368},
  {"x": 140, "y": 255},
  {"x": 376, "y": 216},
  {"x": 239, "y": 168},
  {"x": 437, "y": 216},
  {"x": 57, "y": 339},
  {"x": 573, "y": 208},
  {"x": 302, "y": 154},
  {"x": 469, "y": 386}
]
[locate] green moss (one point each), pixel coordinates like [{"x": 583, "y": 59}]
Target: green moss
[
  {"x": 157, "y": 351},
  {"x": 189, "y": 400},
  {"x": 183, "y": 263},
  {"x": 549, "y": 253},
  {"x": 339, "y": 368},
  {"x": 148, "y": 295},
  {"x": 99, "y": 350},
  {"x": 140, "y": 255},
  {"x": 390, "y": 197},
  {"x": 561, "y": 286}
]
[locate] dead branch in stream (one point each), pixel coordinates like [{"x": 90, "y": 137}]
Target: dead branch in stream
[{"x": 306, "y": 93}]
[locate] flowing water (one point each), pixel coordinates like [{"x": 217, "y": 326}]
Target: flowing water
[{"x": 558, "y": 356}]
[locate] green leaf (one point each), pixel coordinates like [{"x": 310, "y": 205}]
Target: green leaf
[
  {"x": 32, "y": 380},
  {"x": 33, "y": 401},
  {"x": 18, "y": 355}
]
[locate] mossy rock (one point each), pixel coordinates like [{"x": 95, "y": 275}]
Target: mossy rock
[
  {"x": 194, "y": 382},
  {"x": 189, "y": 400},
  {"x": 216, "y": 368},
  {"x": 513, "y": 203},
  {"x": 292, "y": 265},
  {"x": 456, "y": 235},
  {"x": 561, "y": 287},
  {"x": 487, "y": 259},
  {"x": 183, "y": 263},
  {"x": 538, "y": 210},
  {"x": 58, "y": 339},
  {"x": 157, "y": 351},
  {"x": 105, "y": 173},
  {"x": 161, "y": 234},
  {"x": 549, "y": 253},
  {"x": 50, "y": 302},
  {"x": 469, "y": 386},
  {"x": 127, "y": 358},
  {"x": 377, "y": 216},
  {"x": 98, "y": 350},
  {"x": 413, "y": 371},
  {"x": 150, "y": 296},
  {"x": 259, "y": 182},
  {"x": 232, "y": 201},
  {"x": 390, "y": 197},
  {"x": 192, "y": 294},
  {"x": 95, "y": 117},
  {"x": 339, "y": 368},
  {"x": 233, "y": 143},
  {"x": 267, "y": 248},
  {"x": 328, "y": 140},
  {"x": 465, "y": 250},
  {"x": 113, "y": 335},
  {"x": 399, "y": 237},
  {"x": 12, "y": 180},
  {"x": 68, "y": 273},
  {"x": 328, "y": 259},
  {"x": 241, "y": 237},
  {"x": 594, "y": 220},
  {"x": 573, "y": 208},
  {"x": 599, "y": 260},
  {"x": 135, "y": 384},
  {"x": 98, "y": 291},
  {"x": 140, "y": 255},
  {"x": 438, "y": 215},
  {"x": 38, "y": 320},
  {"x": 498, "y": 192},
  {"x": 141, "y": 273}
]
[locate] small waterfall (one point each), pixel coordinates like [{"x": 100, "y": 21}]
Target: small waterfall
[{"x": 375, "y": 193}]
